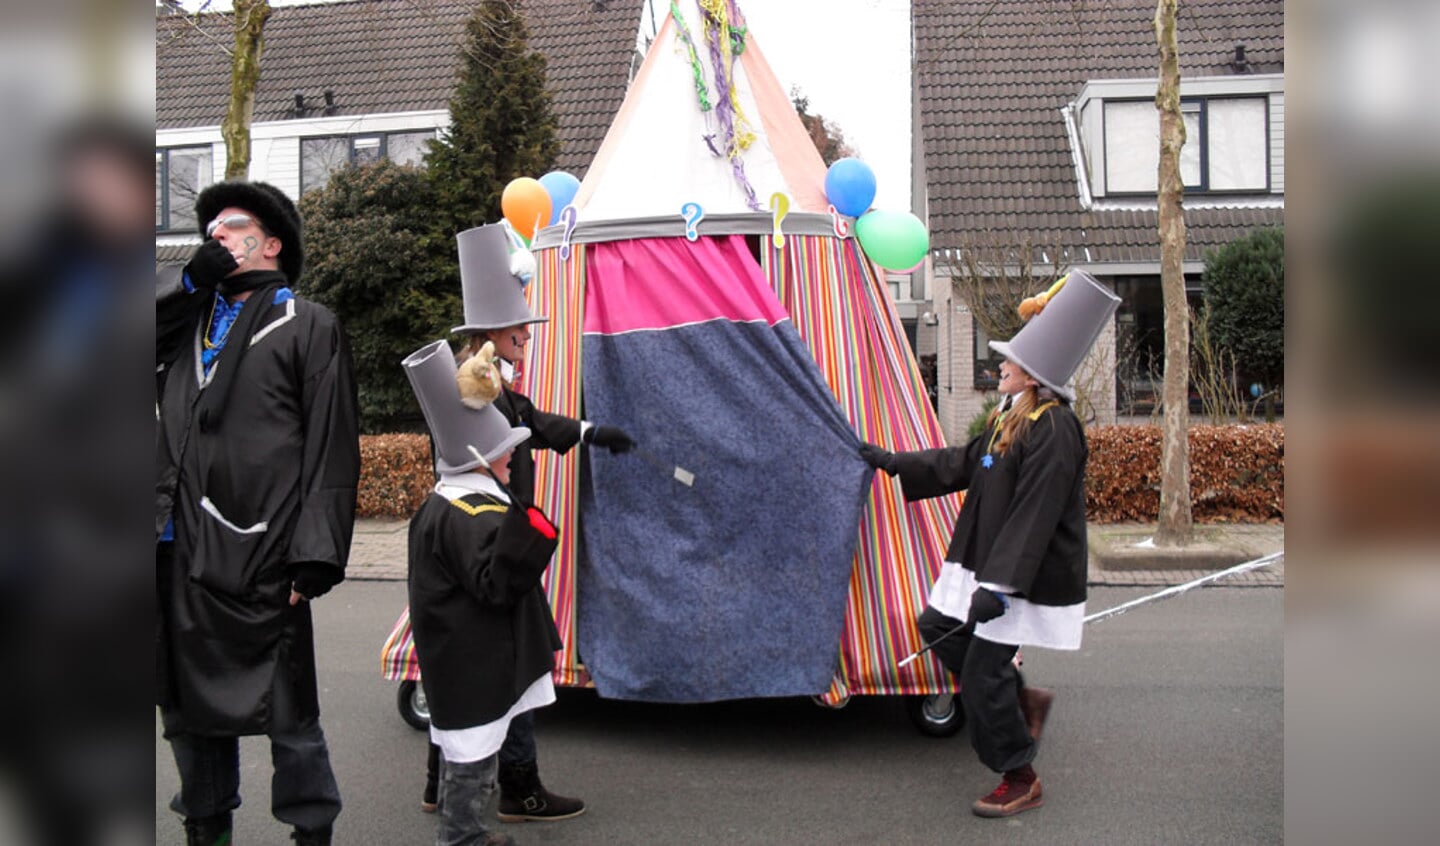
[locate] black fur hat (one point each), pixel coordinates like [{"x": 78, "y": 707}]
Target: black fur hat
[{"x": 275, "y": 211}]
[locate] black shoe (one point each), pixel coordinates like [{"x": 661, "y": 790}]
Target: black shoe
[
  {"x": 312, "y": 836},
  {"x": 208, "y": 831},
  {"x": 524, "y": 799}
]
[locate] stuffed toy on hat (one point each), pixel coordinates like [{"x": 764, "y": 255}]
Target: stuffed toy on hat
[
  {"x": 479, "y": 377},
  {"x": 1031, "y": 306}
]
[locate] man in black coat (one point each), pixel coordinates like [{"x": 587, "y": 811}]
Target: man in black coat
[{"x": 258, "y": 463}]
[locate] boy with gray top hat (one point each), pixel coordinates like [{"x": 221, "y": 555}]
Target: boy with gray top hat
[
  {"x": 1014, "y": 573},
  {"x": 493, "y": 286},
  {"x": 484, "y": 635}
]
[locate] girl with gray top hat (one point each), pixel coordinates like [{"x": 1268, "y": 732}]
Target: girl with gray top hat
[{"x": 1014, "y": 573}]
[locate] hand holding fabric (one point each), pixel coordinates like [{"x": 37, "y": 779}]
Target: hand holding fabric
[
  {"x": 612, "y": 438},
  {"x": 878, "y": 458},
  {"x": 210, "y": 264},
  {"x": 986, "y": 605}
]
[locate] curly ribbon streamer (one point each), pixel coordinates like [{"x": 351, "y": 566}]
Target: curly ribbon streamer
[{"x": 701, "y": 91}]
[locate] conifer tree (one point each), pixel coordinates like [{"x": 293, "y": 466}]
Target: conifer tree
[{"x": 501, "y": 126}]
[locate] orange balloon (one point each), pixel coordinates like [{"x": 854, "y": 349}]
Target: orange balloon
[{"x": 526, "y": 205}]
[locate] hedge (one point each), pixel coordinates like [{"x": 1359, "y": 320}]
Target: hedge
[{"x": 1237, "y": 474}]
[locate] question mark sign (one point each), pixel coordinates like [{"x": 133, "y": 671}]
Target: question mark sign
[
  {"x": 693, "y": 214},
  {"x": 567, "y": 217},
  {"x": 841, "y": 223},
  {"x": 779, "y": 207}
]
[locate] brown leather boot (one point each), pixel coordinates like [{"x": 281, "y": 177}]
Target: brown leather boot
[
  {"x": 1035, "y": 705},
  {"x": 523, "y": 798}
]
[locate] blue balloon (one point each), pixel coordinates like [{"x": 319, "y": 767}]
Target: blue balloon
[
  {"x": 562, "y": 188},
  {"x": 850, "y": 186}
]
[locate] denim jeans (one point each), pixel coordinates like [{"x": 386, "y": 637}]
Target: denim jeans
[
  {"x": 465, "y": 791},
  {"x": 303, "y": 792},
  {"x": 519, "y": 745}
]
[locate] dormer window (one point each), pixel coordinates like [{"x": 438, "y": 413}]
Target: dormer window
[
  {"x": 1225, "y": 150},
  {"x": 1234, "y": 146}
]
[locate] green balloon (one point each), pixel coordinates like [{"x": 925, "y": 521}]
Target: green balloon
[{"x": 893, "y": 240}]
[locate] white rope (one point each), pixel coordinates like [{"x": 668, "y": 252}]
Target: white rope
[{"x": 1179, "y": 589}]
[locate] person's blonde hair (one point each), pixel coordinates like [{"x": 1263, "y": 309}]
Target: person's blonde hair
[{"x": 1017, "y": 418}]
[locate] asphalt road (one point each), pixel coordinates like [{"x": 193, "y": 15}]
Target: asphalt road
[{"x": 1167, "y": 728}]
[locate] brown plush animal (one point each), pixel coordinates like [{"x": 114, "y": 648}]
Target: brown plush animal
[
  {"x": 479, "y": 378},
  {"x": 1031, "y": 306}
]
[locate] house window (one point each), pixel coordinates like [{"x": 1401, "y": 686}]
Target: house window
[
  {"x": 987, "y": 361},
  {"x": 320, "y": 157},
  {"x": 1226, "y": 145},
  {"x": 181, "y": 173}
]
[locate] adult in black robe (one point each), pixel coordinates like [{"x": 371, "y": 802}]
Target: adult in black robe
[{"x": 258, "y": 464}]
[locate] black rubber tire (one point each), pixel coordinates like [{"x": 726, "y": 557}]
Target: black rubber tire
[
  {"x": 413, "y": 707},
  {"x": 936, "y": 715}
]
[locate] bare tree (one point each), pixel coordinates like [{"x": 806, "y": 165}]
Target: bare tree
[
  {"x": 250, "y": 17},
  {"x": 1176, "y": 514}
]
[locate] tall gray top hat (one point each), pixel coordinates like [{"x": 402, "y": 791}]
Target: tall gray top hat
[
  {"x": 1051, "y": 346},
  {"x": 494, "y": 297},
  {"x": 454, "y": 425}
]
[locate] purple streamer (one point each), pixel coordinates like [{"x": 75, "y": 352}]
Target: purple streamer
[{"x": 725, "y": 111}]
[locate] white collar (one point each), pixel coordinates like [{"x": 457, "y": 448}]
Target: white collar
[{"x": 455, "y": 485}]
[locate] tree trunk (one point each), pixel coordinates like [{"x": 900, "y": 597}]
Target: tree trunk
[
  {"x": 250, "y": 17},
  {"x": 1175, "y": 506}
]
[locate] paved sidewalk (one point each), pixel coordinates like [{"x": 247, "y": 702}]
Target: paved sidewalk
[{"x": 379, "y": 551}]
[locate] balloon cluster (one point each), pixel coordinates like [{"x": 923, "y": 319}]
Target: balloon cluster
[
  {"x": 531, "y": 204},
  {"x": 893, "y": 240}
]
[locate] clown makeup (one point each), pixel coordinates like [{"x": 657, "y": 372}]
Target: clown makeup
[
  {"x": 1013, "y": 379},
  {"x": 241, "y": 234},
  {"x": 510, "y": 342}
]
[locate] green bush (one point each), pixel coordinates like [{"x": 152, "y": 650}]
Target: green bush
[
  {"x": 1245, "y": 296},
  {"x": 375, "y": 259},
  {"x": 977, "y": 423}
]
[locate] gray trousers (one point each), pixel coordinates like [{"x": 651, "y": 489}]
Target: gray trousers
[
  {"x": 989, "y": 691},
  {"x": 465, "y": 793}
]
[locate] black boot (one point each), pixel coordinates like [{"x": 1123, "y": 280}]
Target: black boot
[
  {"x": 430, "y": 799},
  {"x": 524, "y": 798},
  {"x": 208, "y": 831},
  {"x": 312, "y": 836}
]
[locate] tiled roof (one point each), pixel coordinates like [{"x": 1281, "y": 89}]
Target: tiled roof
[
  {"x": 384, "y": 56},
  {"x": 173, "y": 254},
  {"x": 993, "y": 78}
]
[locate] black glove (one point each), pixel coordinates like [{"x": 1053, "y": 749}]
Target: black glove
[
  {"x": 986, "y": 605},
  {"x": 878, "y": 458},
  {"x": 211, "y": 263},
  {"x": 313, "y": 579},
  {"x": 612, "y": 438}
]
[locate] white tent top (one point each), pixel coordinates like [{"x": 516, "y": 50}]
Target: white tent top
[{"x": 656, "y": 158}]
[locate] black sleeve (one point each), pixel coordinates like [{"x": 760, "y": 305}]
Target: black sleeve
[
  {"x": 547, "y": 431},
  {"x": 330, "y": 473},
  {"x": 500, "y": 558},
  {"x": 935, "y": 472},
  {"x": 176, "y": 313}
]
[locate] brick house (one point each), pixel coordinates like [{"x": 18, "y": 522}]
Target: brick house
[{"x": 1036, "y": 147}]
